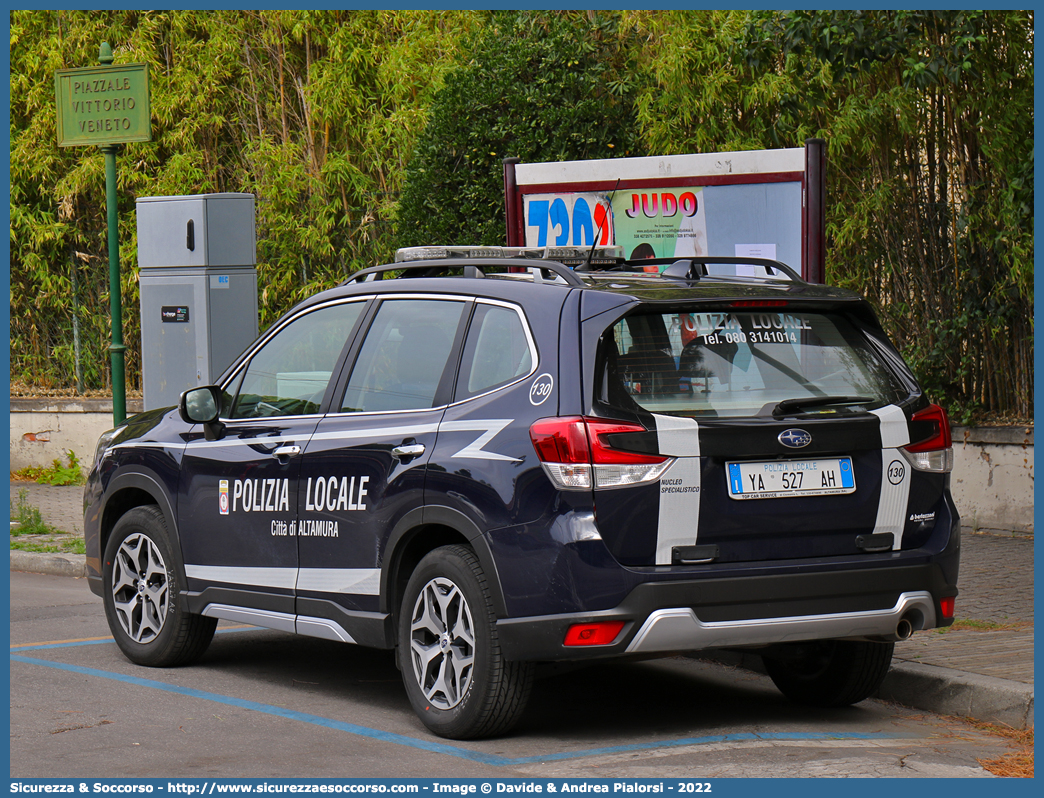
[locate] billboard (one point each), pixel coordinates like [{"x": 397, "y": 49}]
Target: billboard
[{"x": 759, "y": 203}]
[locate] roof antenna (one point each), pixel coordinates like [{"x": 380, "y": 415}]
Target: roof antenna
[{"x": 586, "y": 265}]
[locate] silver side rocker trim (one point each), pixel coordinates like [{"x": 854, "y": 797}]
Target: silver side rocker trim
[
  {"x": 322, "y": 627},
  {"x": 282, "y": 621},
  {"x": 680, "y": 630}
]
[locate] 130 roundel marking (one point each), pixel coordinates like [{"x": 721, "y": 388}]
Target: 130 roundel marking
[{"x": 541, "y": 389}]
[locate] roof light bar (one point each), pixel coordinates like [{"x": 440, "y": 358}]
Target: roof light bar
[
  {"x": 569, "y": 255},
  {"x": 407, "y": 254},
  {"x": 600, "y": 256}
]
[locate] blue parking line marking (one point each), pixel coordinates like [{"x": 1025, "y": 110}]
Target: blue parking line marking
[
  {"x": 269, "y": 709},
  {"x": 445, "y": 748}
]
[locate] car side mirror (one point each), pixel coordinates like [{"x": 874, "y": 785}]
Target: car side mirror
[{"x": 202, "y": 406}]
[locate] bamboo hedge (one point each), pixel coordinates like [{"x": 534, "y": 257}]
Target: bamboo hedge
[{"x": 315, "y": 113}]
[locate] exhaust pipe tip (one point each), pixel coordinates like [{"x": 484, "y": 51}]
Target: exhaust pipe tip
[{"x": 903, "y": 629}]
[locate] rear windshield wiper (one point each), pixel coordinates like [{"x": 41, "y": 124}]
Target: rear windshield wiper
[{"x": 788, "y": 406}]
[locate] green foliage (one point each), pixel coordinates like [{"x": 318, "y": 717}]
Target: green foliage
[
  {"x": 542, "y": 86},
  {"x": 928, "y": 118},
  {"x": 68, "y": 474},
  {"x": 314, "y": 112},
  {"x": 57, "y": 473},
  {"x": 699, "y": 94},
  {"x": 64, "y": 544}
]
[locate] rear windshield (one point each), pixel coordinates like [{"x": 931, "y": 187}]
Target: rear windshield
[{"x": 741, "y": 363}]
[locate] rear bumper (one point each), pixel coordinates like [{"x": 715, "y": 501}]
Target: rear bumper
[
  {"x": 746, "y": 611},
  {"x": 674, "y": 629}
]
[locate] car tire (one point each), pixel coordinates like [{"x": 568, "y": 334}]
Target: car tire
[
  {"x": 829, "y": 673},
  {"x": 140, "y": 592},
  {"x": 455, "y": 675}
]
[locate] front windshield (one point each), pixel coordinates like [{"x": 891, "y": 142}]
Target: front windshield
[{"x": 735, "y": 363}]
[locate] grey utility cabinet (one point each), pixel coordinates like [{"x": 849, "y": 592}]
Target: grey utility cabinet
[{"x": 197, "y": 257}]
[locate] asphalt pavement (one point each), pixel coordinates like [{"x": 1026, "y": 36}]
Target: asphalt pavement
[{"x": 981, "y": 668}]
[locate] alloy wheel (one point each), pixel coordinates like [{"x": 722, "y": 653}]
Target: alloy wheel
[
  {"x": 140, "y": 591},
  {"x": 442, "y": 643}
]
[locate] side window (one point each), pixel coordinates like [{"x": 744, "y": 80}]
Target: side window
[
  {"x": 289, "y": 374},
  {"x": 497, "y": 351},
  {"x": 405, "y": 354}
]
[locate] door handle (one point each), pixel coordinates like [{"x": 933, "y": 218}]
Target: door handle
[
  {"x": 408, "y": 450},
  {"x": 286, "y": 451}
]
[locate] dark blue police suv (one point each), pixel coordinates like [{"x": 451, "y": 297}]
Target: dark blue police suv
[{"x": 504, "y": 457}]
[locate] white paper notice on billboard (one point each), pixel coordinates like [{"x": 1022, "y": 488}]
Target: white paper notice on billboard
[
  {"x": 756, "y": 251},
  {"x": 753, "y": 251}
]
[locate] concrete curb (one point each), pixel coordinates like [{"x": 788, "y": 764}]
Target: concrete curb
[
  {"x": 51, "y": 564},
  {"x": 945, "y": 691}
]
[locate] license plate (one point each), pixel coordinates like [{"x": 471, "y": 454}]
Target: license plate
[{"x": 778, "y": 478}]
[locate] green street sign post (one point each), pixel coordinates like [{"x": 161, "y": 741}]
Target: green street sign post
[
  {"x": 107, "y": 106},
  {"x": 103, "y": 105}
]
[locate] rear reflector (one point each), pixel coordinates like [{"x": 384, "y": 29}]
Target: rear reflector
[
  {"x": 576, "y": 454},
  {"x": 946, "y": 606},
  {"x": 600, "y": 633}
]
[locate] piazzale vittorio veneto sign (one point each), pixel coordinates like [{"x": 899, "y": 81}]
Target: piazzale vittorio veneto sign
[
  {"x": 103, "y": 105},
  {"x": 106, "y": 106}
]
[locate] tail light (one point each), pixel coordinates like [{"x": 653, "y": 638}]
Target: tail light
[
  {"x": 946, "y": 607},
  {"x": 576, "y": 454},
  {"x": 934, "y": 453}
]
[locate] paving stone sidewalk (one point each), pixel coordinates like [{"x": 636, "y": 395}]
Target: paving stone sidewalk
[
  {"x": 996, "y": 590},
  {"x": 1004, "y": 654},
  {"x": 996, "y": 581},
  {"x": 61, "y": 506}
]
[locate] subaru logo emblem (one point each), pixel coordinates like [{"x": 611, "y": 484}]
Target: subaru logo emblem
[{"x": 794, "y": 438}]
